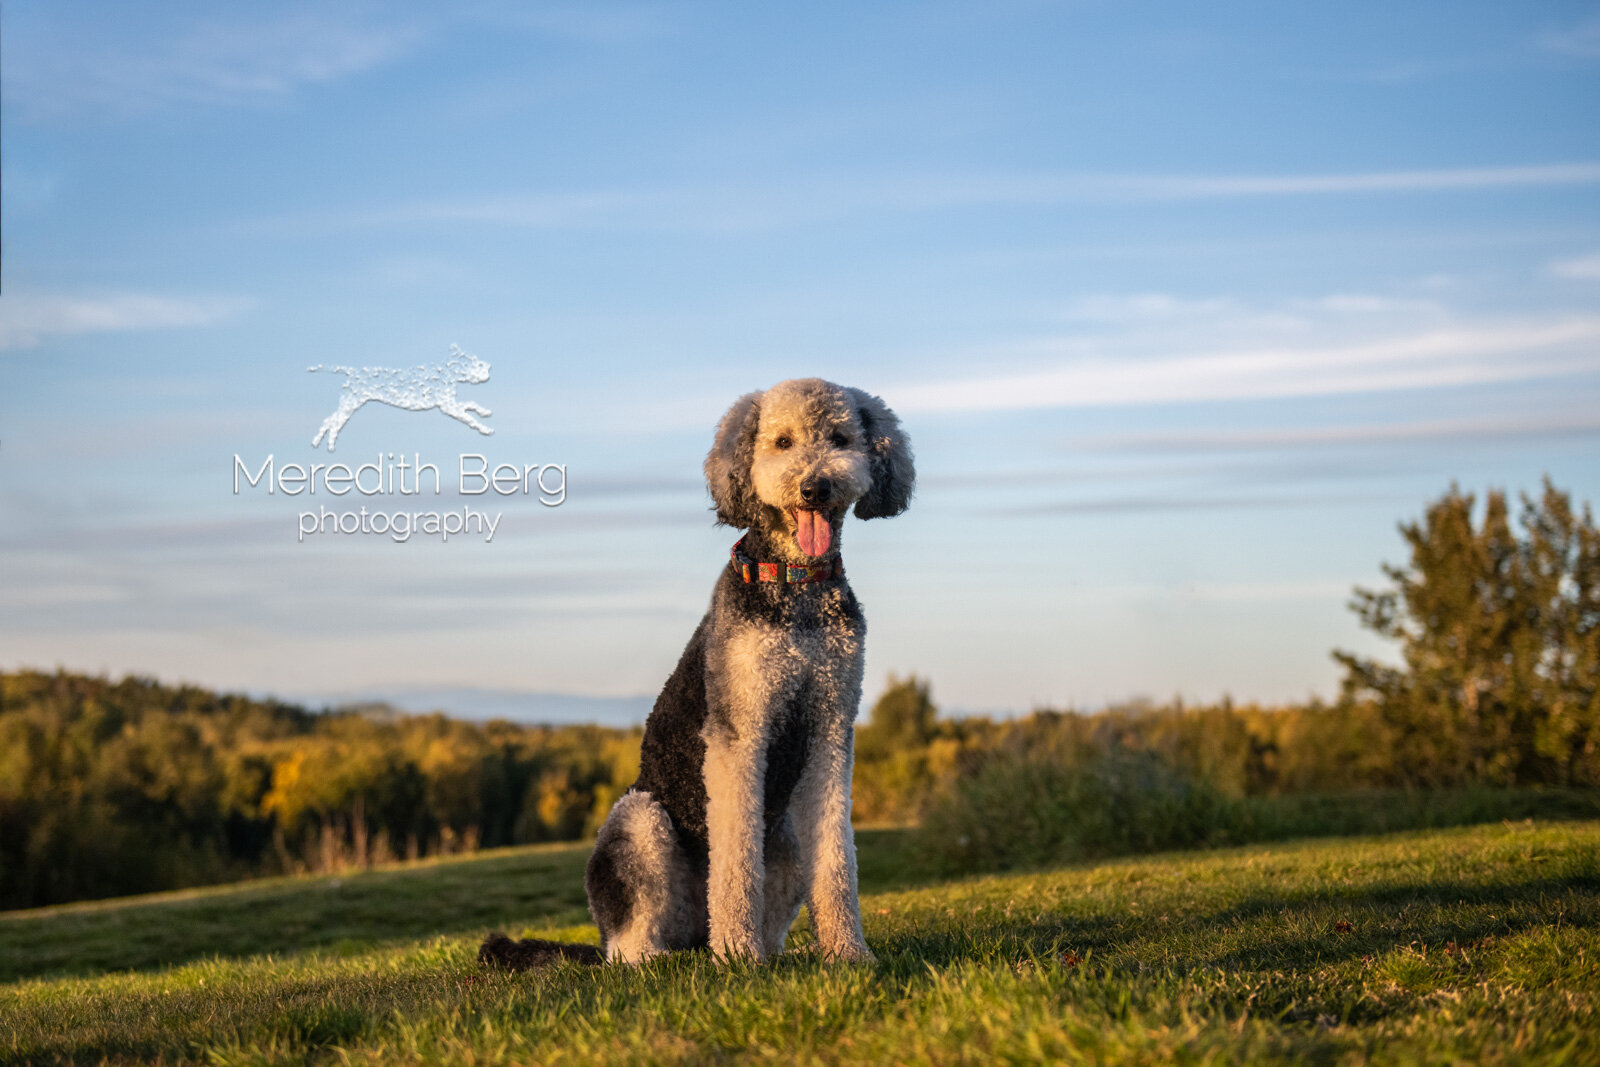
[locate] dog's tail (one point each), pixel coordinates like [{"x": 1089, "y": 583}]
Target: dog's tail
[{"x": 500, "y": 951}]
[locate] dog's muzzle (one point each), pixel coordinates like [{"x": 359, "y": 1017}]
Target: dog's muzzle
[{"x": 816, "y": 491}]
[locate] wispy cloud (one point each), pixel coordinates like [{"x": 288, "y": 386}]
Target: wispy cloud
[
  {"x": 26, "y": 318},
  {"x": 1157, "y": 310},
  {"x": 1145, "y": 307},
  {"x": 1437, "y": 431},
  {"x": 1170, "y": 502},
  {"x": 1370, "y": 304},
  {"x": 1058, "y": 187},
  {"x": 1585, "y": 268},
  {"x": 1582, "y": 39},
  {"x": 1452, "y": 356},
  {"x": 786, "y": 203},
  {"x": 535, "y": 210},
  {"x": 105, "y": 66}
]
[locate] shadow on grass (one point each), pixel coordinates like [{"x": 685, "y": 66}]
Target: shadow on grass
[
  {"x": 1346, "y": 925},
  {"x": 299, "y": 1014},
  {"x": 1264, "y": 954},
  {"x": 1354, "y": 925},
  {"x": 538, "y": 886},
  {"x": 345, "y": 914},
  {"x": 543, "y": 887}
]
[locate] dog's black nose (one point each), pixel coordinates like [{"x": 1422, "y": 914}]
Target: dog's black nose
[{"x": 816, "y": 490}]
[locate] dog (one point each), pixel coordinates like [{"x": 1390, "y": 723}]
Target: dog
[
  {"x": 741, "y": 812},
  {"x": 416, "y": 389}
]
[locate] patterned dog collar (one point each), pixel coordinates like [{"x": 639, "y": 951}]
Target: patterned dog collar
[{"x": 789, "y": 573}]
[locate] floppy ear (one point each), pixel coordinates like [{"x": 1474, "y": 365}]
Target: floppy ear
[
  {"x": 893, "y": 474},
  {"x": 728, "y": 463}
]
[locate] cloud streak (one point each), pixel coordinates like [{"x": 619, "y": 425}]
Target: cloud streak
[
  {"x": 87, "y": 67},
  {"x": 1582, "y": 40},
  {"x": 1454, "y": 356},
  {"x": 778, "y": 204},
  {"x": 26, "y": 318},
  {"x": 1581, "y": 268},
  {"x": 1047, "y": 188},
  {"x": 1529, "y": 427},
  {"x": 1166, "y": 503}
]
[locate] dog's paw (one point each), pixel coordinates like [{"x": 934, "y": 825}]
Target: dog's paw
[{"x": 737, "y": 949}]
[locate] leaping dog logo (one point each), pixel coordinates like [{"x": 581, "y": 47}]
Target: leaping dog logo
[{"x": 416, "y": 389}]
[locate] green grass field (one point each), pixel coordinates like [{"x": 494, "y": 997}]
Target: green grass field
[{"x": 1478, "y": 945}]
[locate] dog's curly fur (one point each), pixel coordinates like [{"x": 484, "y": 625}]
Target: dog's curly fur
[{"x": 741, "y": 811}]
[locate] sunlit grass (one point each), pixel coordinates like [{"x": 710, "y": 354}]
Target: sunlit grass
[{"x": 1472, "y": 945}]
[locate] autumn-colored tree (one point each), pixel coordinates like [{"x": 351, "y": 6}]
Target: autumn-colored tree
[
  {"x": 903, "y": 753},
  {"x": 1499, "y": 633}
]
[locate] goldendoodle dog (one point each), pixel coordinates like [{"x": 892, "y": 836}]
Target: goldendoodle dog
[{"x": 741, "y": 812}]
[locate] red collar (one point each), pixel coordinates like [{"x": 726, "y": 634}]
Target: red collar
[{"x": 787, "y": 573}]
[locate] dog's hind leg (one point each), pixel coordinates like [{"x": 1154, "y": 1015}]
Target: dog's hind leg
[
  {"x": 640, "y": 884},
  {"x": 784, "y": 887}
]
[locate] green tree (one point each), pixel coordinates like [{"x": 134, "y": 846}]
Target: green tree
[
  {"x": 1499, "y": 635},
  {"x": 903, "y": 716},
  {"x": 893, "y": 777}
]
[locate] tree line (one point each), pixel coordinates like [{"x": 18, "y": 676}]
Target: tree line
[
  {"x": 1496, "y": 683},
  {"x": 109, "y": 788},
  {"x": 113, "y": 787}
]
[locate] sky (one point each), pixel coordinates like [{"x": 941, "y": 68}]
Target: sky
[{"x": 1185, "y": 308}]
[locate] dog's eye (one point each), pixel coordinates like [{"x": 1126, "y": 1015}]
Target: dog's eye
[
  {"x": 783, "y": 442},
  {"x": 839, "y": 439}
]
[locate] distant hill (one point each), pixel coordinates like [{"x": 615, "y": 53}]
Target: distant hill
[{"x": 481, "y": 705}]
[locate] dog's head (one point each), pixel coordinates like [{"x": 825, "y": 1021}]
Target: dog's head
[
  {"x": 465, "y": 367},
  {"x": 794, "y": 459}
]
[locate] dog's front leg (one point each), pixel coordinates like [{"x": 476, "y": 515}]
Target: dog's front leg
[
  {"x": 735, "y": 769},
  {"x": 828, "y": 844}
]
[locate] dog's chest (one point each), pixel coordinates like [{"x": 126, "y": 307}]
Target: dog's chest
[
  {"x": 815, "y": 632},
  {"x": 779, "y": 681},
  {"x": 782, "y": 653}
]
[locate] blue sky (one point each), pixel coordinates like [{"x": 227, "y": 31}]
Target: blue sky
[{"x": 1184, "y": 306}]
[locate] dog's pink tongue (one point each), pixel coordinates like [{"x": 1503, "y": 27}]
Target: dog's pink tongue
[{"x": 813, "y": 533}]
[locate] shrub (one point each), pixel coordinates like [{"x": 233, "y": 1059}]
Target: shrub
[
  {"x": 1038, "y": 810},
  {"x": 1027, "y": 810}
]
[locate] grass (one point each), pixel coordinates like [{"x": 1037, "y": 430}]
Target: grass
[
  {"x": 1477, "y": 944},
  {"x": 503, "y": 889},
  {"x": 1022, "y": 811}
]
